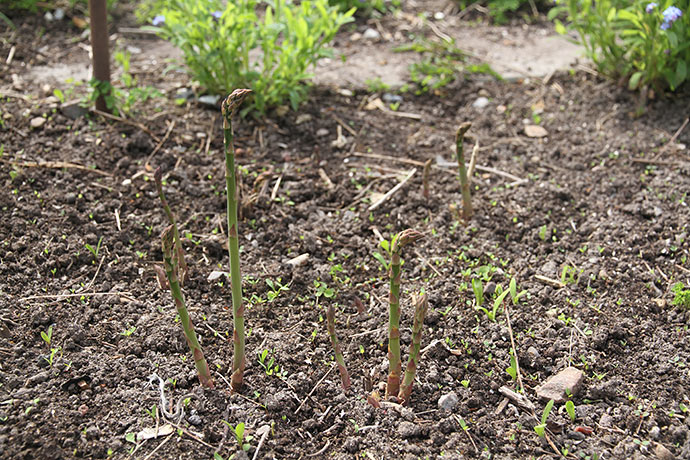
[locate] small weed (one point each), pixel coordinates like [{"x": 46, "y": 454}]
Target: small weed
[
  {"x": 682, "y": 296},
  {"x": 570, "y": 409},
  {"x": 541, "y": 428},
  {"x": 96, "y": 250},
  {"x": 48, "y": 335}
]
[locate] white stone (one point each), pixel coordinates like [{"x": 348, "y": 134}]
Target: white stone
[
  {"x": 448, "y": 401},
  {"x": 371, "y": 34},
  {"x": 480, "y": 103},
  {"x": 38, "y": 122}
]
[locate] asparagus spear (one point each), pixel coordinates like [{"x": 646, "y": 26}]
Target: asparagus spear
[
  {"x": 178, "y": 257},
  {"x": 230, "y": 106},
  {"x": 412, "y": 362},
  {"x": 330, "y": 322},
  {"x": 464, "y": 182},
  {"x": 399, "y": 241},
  {"x": 171, "y": 271}
]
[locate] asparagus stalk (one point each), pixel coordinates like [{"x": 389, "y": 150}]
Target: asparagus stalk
[
  {"x": 412, "y": 362},
  {"x": 330, "y": 322},
  {"x": 230, "y": 106},
  {"x": 399, "y": 241},
  {"x": 171, "y": 270},
  {"x": 464, "y": 182},
  {"x": 178, "y": 256}
]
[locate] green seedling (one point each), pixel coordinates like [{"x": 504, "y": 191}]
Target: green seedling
[
  {"x": 322, "y": 290},
  {"x": 399, "y": 241},
  {"x": 498, "y": 301},
  {"x": 681, "y": 297},
  {"x": 230, "y": 106},
  {"x": 276, "y": 287},
  {"x": 464, "y": 181},
  {"x": 171, "y": 272},
  {"x": 240, "y": 437},
  {"x": 543, "y": 231},
  {"x": 421, "y": 306},
  {"x": 541, "y": 428},
  {"x": 478, "y": 289},
  {"x": 340, "y": 361},
  {"x": 178, "y": 256},
  {"x": 570, "y": 275},
  {"x": 129, "y": 331},
  {"x": 514, "y": 295},
  {"x": 268, "y": 363},
  {"x": 570, "y": 409},
  {"x": 48, "y": 335},
  {"x": 96, "y": 250},
  {"x": 51, "y": 358}
]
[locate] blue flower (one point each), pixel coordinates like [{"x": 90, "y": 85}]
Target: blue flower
[
  {"x": 217, "y": 14},
  {"x": 651, "y": 7},
  {"x": 160, "y": 19},
  {"x": 672, "y": 14}
]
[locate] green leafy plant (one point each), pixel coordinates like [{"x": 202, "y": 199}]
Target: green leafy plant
[
  {"x": 442, "y": 62},
  {"x": 171, "y": 272},
  {"x": 399, "y": 241},
  {"x": 570, "y": 275},
  {"x": 365, "y": 7},
  {"x": 268, "y": 363},
  {"x": 514, "y": 295},
  {"x": 644, "y": 43},
  {"x": 570, "y": 409},
  {"x": 339, "y": 359},
  {"x": 276, "y": 287},
  {"x": 421, "y": 306},
  {"x": 230, "y": 106},
  {"x": 541, "y": 428},
  {"x": 218, "y": 37},
  {"x": 498, "y": 301},
  {"x": 681, "y": 296},
  {"x": 512, "y": 370},
  {"x": 478, "y": 290}
]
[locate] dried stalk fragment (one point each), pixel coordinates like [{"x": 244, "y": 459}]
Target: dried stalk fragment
[
  {"x": 464, "y": 182},
  {"x": 171, "y": 271},
  {"x": 330, "y": 322}
]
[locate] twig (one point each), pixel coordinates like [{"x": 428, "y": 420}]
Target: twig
[
  {"x": 675, "y": 136},
  {"x": 266, "y": 429},
  {"x": 467, "y": 432},
  {"x": 274, "y": 192},
  {"x": 159, "y": 145},
  {"x": 159, "y": 446},
  {"x": 393, "y": 190},
  {"x": 127, "y": 122},
  {"x": 86, "y": 288},
  {"x": 57, "y": 165},
  {"x": 320, "y": 451},
  {"x": 377, "y": 103},
  {"x": 117, "y": 220},
  {"x": 326, "y": 179},
  {"x": 550, "y": 281},
  {"x": 512, "y": 342},
  {"x": 60, "y": 296},
  {"x": 314, "y": 389},
  {"x": 344, "y": 125},
  {"x": 520, "y": 400}
]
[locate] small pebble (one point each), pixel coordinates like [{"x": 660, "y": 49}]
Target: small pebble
[
  {"x": 480, "y": 102},
  {"x": 371, "y": 34},
  {"x": 448, "y": 401},
  {"x": 38, "y": 122},
  {"x": 408, "y": 430}
]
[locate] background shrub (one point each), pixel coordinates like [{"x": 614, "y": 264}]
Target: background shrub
[
  {"x": 646, "y": 44},
  {"x": 233, "y": 46}
]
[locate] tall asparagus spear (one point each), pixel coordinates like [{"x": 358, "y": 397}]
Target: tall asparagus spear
[
  {"x": 399, "y": 241},
  {"x": 330, "y": 321},
  {"x": 412, "y": 362},
  {"x": 464, "y": 182},
  {"x": 178, "y": 256},
  {"x": 171, "y": 271},
  {"x": 230, "y": 106}
]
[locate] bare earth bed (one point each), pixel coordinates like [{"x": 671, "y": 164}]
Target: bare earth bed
[{"x": 603, "y": 194}]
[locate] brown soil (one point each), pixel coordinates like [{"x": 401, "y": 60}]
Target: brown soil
[{"x": 604, "y": 193}]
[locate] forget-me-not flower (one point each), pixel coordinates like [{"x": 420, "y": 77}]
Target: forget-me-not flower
[
  {"x": 651, "y": 7},
  {"x": 217, "y": 14},
  {"x": 160, "y": 19},
  {"x": 671, "y": 15}
]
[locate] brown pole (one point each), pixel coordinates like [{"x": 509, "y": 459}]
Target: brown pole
[{"x": 100, "y": 49}]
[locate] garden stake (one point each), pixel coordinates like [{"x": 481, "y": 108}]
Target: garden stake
[
  {"x": 178, "y": 257},
  {"x": 330, "y": 322},
  {"x": 171, "y": 270},
  {"x": 399, "y": 241},
  {"x": 464, "y": 183},
  {"x": 412, "y": 362},
  {"x": 230, "y": 106},
  {"x": 425, "y": 178}
]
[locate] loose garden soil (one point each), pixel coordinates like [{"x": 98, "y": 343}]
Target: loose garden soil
[{"x": 602, "y": 195}]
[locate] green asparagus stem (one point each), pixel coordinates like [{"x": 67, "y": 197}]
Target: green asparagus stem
[
  {"x": 178, "y": 257},
  {"x": 464, "y": 182},
  {"x": 171, "y": 270},
  {"x": 230, "y": 106},
  {"x": 330, "y": 322},
  {"x": 399, "y": 241},
  {"x": 412, "y": 362}
]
